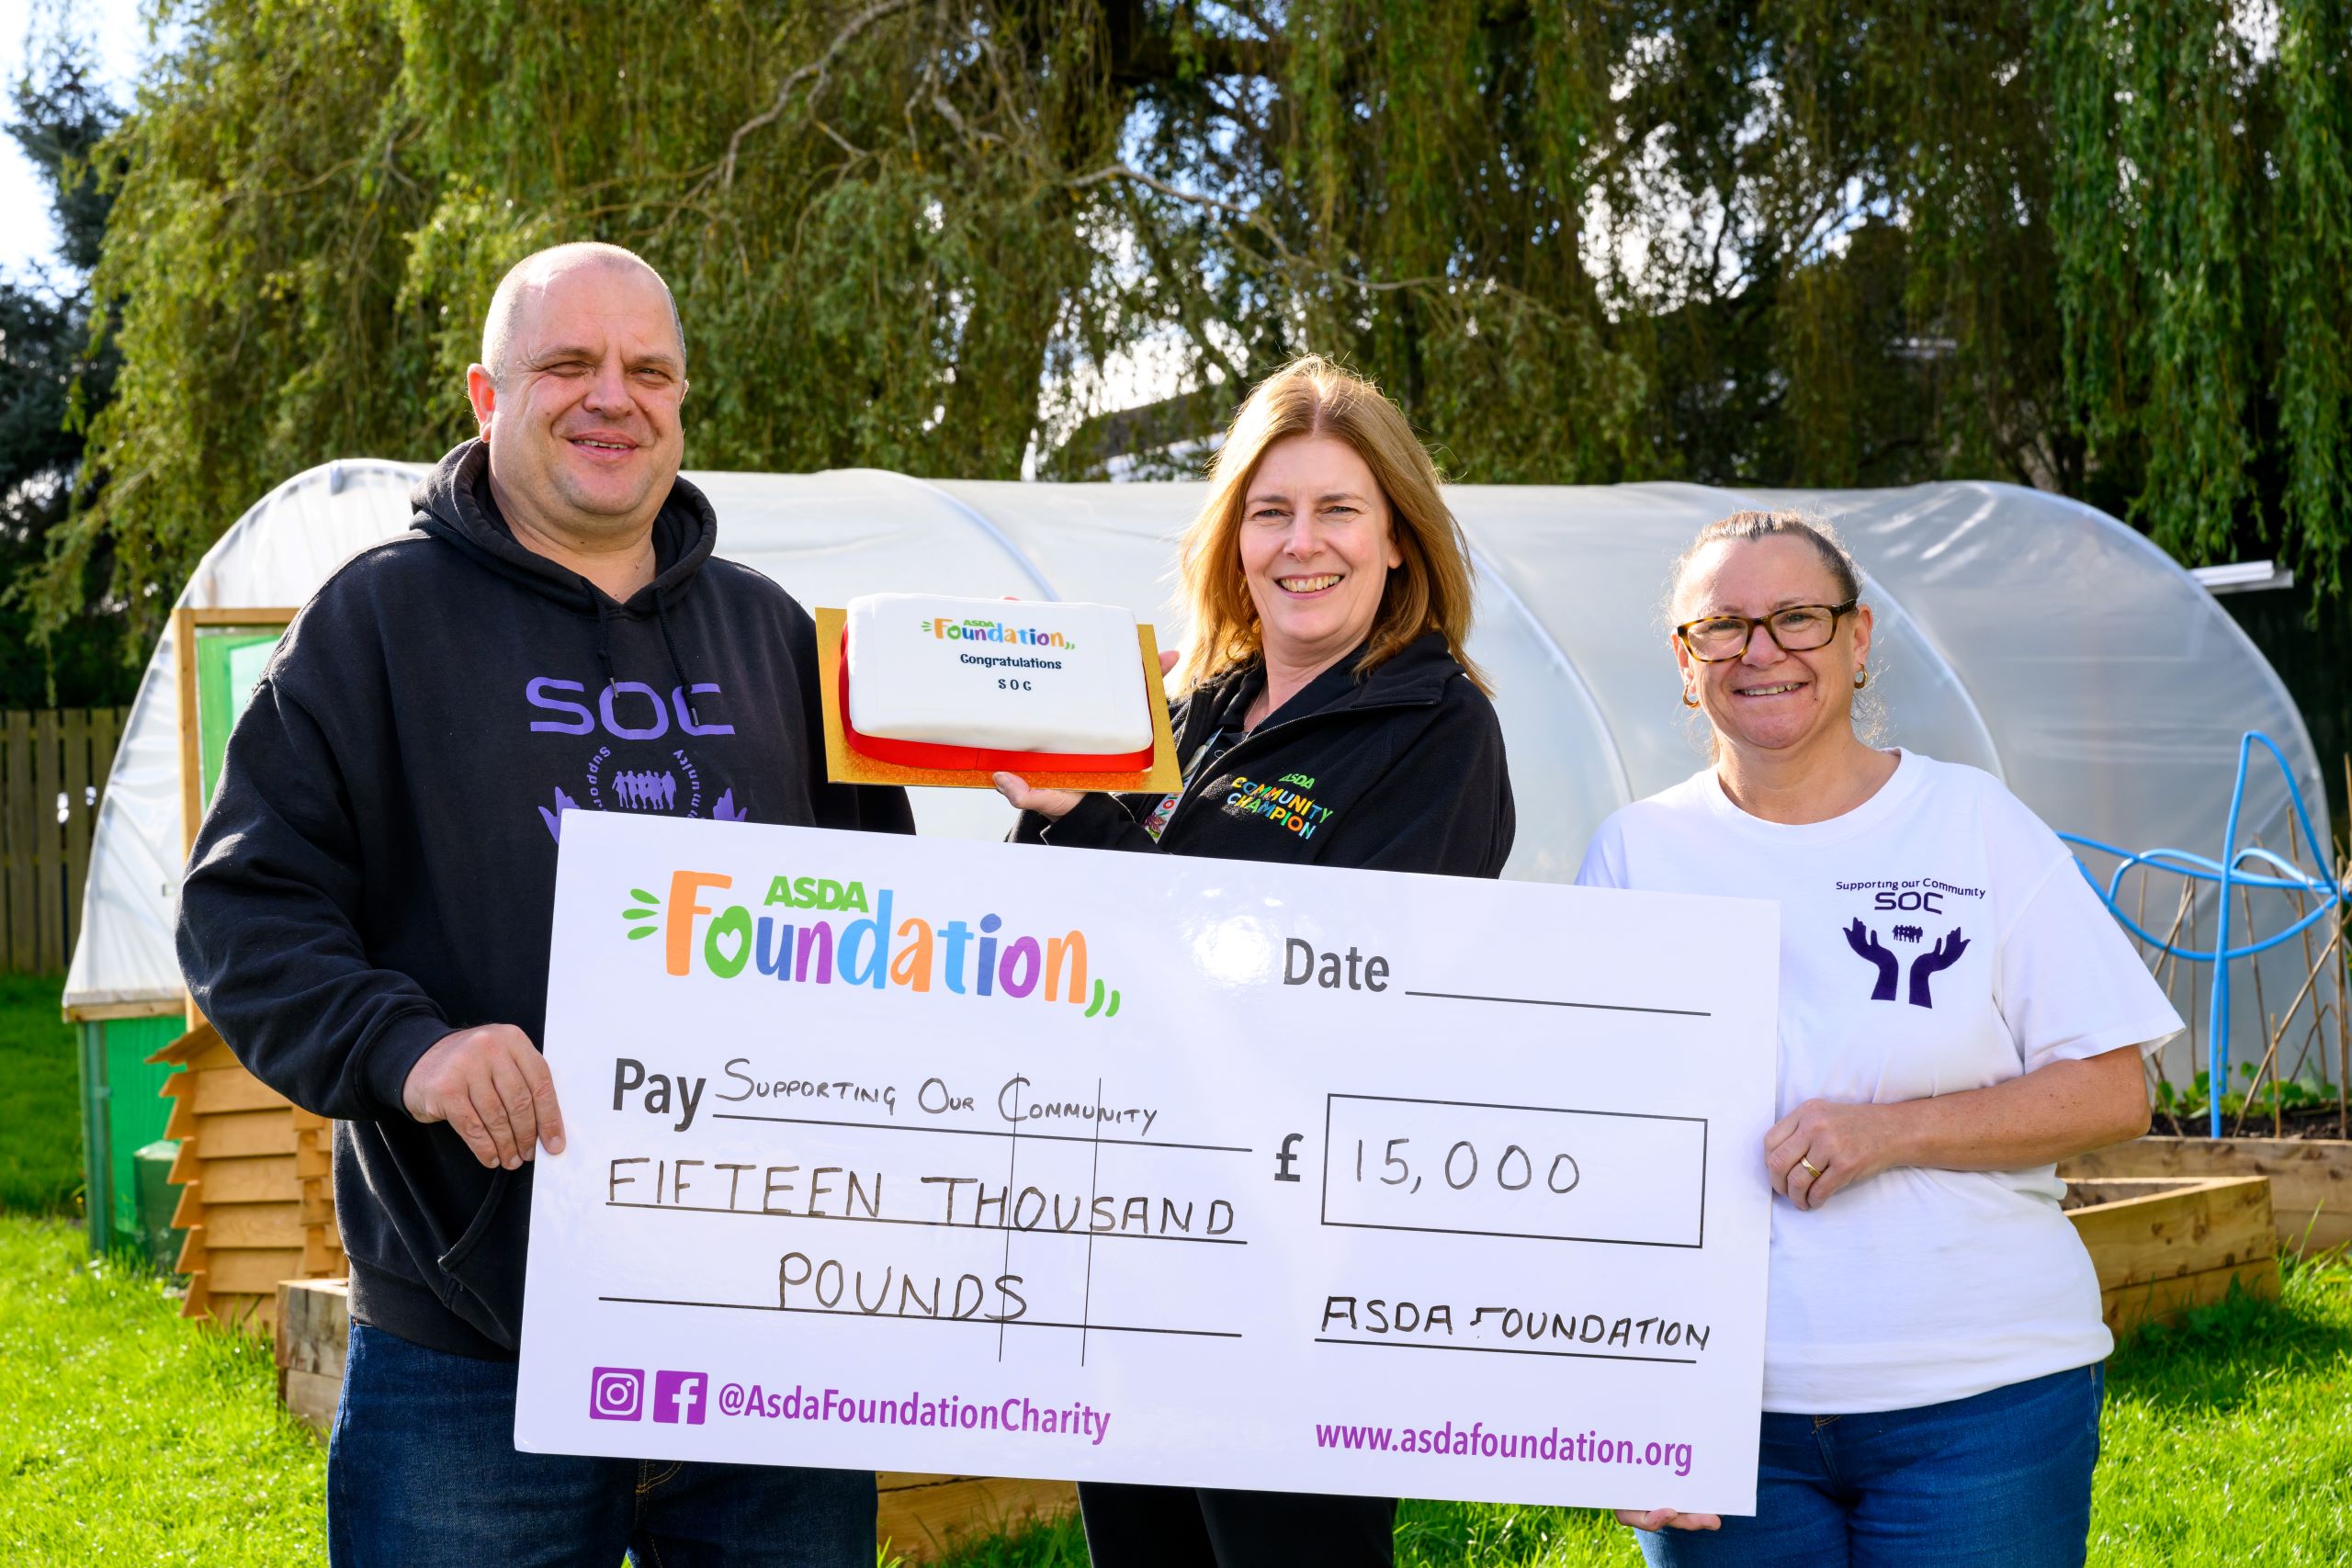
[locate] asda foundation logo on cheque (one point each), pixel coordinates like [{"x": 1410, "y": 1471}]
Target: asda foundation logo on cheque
[{"x": 813, "y": 930}]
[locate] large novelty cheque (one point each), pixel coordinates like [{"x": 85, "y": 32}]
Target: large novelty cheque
[{"x": 922, "y": 1154}]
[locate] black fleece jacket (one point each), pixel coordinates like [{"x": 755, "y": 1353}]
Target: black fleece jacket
[
  {"x": 1402, "y": 769},
  {"x": 378, "y": 867}
]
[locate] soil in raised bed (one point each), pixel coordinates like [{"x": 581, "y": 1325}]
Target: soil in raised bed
[{"x": 2306, "y": 1121}]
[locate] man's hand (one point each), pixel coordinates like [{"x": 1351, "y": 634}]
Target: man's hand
[{"x": 492, "y": 1086}]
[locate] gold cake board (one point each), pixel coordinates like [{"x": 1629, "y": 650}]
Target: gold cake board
[{"x": 843, "y": 765}]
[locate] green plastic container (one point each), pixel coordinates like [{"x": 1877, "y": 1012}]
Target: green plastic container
[
  {"x": 157, "y": 1199},
  {"x": 123, "y": 1110}
]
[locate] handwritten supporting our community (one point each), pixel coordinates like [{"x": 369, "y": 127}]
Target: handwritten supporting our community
[{"x": 931, "y": 1156}]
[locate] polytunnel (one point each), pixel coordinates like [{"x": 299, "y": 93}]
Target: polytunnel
[{"x": 2021, "y": 632}]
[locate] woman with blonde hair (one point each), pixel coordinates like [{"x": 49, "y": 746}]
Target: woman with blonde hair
[
  {"x": 1957, "y": 1013},
  {"x": 1330, "y": 716}
]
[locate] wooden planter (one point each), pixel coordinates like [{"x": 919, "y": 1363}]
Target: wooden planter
[
  {"x": 2162, "y": 1246},
  {"x": 920, "y": 1516},
  {"x": 256, "y": 1199},
  {"x": 2310, "y": 1179}
]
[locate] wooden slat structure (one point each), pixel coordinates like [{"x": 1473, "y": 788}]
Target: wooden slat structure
[
  {"x": 254, "y": 1219},
  {"x": 53, "y": 768},
  {"x": 323, "y": 1254},
  {"x": 2162, "y": 1247},
  {"x": 2310, "y": 1179},
  {"x": 920, "y": 1517},
  {"x": 254, "y": 1169}
]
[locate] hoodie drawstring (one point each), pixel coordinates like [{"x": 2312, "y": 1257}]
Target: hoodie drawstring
[
  {"x": 604, "y": 646},
  {"x": 677, "y": 666},
  {"x": 604, "y": 631}
]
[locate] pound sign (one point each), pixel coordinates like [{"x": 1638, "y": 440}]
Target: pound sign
[{"x": 1283, "y": 1159}]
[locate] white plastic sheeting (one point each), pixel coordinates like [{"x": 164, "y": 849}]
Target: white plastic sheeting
[{"x": 2017, "y": 631}]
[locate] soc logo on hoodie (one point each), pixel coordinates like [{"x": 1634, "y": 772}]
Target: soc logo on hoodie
[{"x": 637, "y": 768}]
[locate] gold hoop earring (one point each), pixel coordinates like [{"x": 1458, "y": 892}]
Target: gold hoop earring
[
  {"x": 1861, "y": 678},
  {"x": 1690, "y": 698}
]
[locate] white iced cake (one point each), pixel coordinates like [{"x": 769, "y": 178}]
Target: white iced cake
[{"x": 1005, "y": 675}]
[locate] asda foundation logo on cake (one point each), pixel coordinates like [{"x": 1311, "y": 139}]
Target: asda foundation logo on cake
[
  {"x": 812, "y": 931},
  {"x": 982, "y": 630}
]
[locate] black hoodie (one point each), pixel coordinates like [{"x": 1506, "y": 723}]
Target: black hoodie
[
  {"x": 1401, "y": 769},
  {"x": 378, "y": 867}
]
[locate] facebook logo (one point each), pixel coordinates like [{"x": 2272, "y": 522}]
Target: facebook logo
[{"x": 681, "y": 1396}]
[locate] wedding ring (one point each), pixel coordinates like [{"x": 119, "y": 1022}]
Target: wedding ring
[{"x": 1809, "y": 1165}]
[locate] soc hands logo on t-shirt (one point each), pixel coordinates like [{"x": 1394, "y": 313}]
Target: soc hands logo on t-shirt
[{"x": 1924, "y": 967}]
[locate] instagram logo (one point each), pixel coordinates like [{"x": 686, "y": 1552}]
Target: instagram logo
[
  {"x": 617, "y": 1393},
  {"x": 681, "y": 1396}
]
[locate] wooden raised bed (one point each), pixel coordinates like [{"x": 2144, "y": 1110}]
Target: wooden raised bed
[
  {"x": 2162, "y": 1246},
  {"x": 2310, "y": 1179},
  {"x": 920, "y": 1516},
  {"x": 313, "y": 1321}
]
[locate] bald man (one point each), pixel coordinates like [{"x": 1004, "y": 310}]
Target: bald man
[{"x": 366, "y": 912}]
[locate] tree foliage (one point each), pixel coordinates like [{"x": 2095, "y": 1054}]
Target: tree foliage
[
  {"x": 48, "y": 382},
  {"x": 2101, "y": 246}
]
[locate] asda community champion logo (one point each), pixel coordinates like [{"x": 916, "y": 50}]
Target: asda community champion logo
[
  {"x": 983, "y": 630},
  {"x": 816, "y": 931}
]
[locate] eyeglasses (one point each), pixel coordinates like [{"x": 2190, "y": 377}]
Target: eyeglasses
[{"x": 1800, "y": 629}]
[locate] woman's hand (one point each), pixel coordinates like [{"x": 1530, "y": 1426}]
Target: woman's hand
[
  {"x": 1822, "y": 1147},
  {"x": 1667, "y": 1519},
  {"x": 1051, "y": 804},
  {"x": 1056, "y": 804}
]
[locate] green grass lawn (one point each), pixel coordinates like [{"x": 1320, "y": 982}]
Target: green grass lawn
[
  {"x": 40, "y": 1120},
  {"x": 134, "y": 1436}
]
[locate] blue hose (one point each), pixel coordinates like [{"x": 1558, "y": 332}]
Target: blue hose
[{"x": 2229, "y": 873}]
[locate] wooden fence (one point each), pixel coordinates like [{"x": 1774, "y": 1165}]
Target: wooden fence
[{"x": 53, "y": 767}]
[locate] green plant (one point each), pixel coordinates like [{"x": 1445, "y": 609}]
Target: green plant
[{"x": 2272, "y": 1096}]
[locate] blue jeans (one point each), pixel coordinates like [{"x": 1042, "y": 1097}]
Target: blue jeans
[
  {"x": 423, "y": 1469},
  {"x": 1132, "y": 1525},
  {"x": 1999, "y": 1480}
]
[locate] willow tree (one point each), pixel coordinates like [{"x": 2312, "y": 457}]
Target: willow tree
[
  {"x": 2095, "y": 245},
  {"x": 2311, "y": 282},
  {"x": 866, "y": 213}
]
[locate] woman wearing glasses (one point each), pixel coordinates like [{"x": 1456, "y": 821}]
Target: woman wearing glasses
[{"x": 1958, "y": 1013}]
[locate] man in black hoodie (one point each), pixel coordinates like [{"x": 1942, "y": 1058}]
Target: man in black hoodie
[{"x": 365, "y": 916}]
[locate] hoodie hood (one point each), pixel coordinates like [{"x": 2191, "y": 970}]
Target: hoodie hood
[{"x": 454, "y": 505}]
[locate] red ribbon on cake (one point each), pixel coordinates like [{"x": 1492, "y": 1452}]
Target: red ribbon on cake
[{"x": 969, "y": 758}]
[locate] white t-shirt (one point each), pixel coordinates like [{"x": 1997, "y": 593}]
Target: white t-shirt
[{"x": 1935, "y": 938}]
